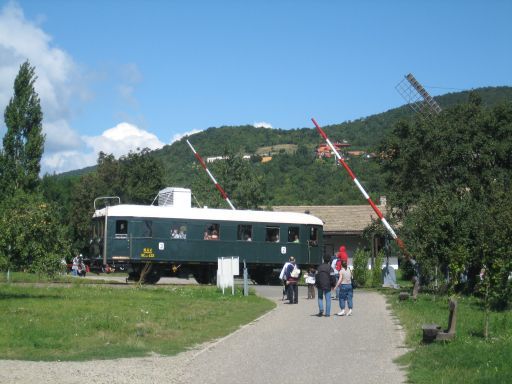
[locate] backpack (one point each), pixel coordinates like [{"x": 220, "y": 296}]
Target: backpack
[
  {"x": 295, "y": 273},
  {"x": 353, "y": 281}
]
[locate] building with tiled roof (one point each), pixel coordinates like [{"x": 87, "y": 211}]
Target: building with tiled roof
[{"x": 343, "y": 224}]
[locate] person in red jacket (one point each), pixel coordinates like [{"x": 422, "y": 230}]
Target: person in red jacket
[{"x": 342, "y": 254}]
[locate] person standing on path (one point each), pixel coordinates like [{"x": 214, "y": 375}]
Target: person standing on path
[
  {"x": 292, "y": 275},
  {"x": 335, "y": 272},
  {"x": 346, "y": 291},
  {"x": 323, "y": 284},
  {"x": 310, "y": 281},
  {"x": 283, "y": 278}
]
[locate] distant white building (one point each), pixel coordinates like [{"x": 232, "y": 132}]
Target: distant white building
[{"x": 211, "y": 159}]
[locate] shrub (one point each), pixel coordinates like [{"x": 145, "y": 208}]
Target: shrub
[
  {"x": 376, "y": 272},
  {"x": 360, "y": 264},
  {"x": 35, "y": 241}
]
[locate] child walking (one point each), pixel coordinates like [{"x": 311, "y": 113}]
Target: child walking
[{"x": 310, "y": 281}]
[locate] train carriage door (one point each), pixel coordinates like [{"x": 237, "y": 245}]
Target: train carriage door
[
  {"x": 120, "y": 242},
  {"x": 141, "y": 239},
  {"x": 294, "y": 246},
  {"x": 313, "y": 242}
]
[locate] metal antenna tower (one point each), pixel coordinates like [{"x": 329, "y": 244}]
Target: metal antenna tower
[{"x": 417, "y": 97}]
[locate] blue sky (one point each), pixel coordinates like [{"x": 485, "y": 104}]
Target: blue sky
[{"x": 115, "y": 75}]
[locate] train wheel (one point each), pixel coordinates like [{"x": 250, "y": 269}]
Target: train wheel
[
  {"x": 152, "y": 278},
  {"x": 260, "y": 277},
  {"x": 151, "y": 275},
  {"x": 264, "y": 276},
  {"x": 206, "y": 275}
]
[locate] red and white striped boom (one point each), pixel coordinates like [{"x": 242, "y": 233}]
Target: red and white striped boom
[
  {"x": 217, "y": 185},
  {"x": 354, "y": 178}
]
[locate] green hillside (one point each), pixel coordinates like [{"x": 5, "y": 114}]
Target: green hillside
[{"x": 294, "y": 175}]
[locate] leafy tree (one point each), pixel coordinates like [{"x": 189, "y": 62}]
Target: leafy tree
[
  {"x": 440, "y": 233},
  {"x": 495, "y": 249},
  {"x": 464, "y": 150},
  {"x": 142, "y": 176},
  {"x": 449, "y": 178},
  {"x": 108, "y": 175},
  {"x": 36, "y": 241},
  {"x": 135, "y": 178},
  {"x": 23, "y": 143},
  {"x": 237, "y": 176},
  {"x": 242, "y": 180},
  {"x": 82, "y": 209}
]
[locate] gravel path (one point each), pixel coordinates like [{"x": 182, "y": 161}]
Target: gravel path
[{"x": 286, "y": 343}]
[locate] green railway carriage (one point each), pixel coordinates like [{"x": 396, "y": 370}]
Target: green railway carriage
[{"x": 170, "y": 239}]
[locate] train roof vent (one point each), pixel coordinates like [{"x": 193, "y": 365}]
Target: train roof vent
[{"x": 176, "y": 197}]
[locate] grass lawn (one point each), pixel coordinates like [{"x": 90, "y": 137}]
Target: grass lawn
[
  {"x": 22, "y": 277},
  {"x": 469, "y": 358},
  {"x": 89, "y": 321}
]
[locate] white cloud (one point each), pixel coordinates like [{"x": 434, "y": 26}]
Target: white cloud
[
  {"x": 57, "y": 81},
  {"x": 59, "y": 136},
  {"x": 61, "y": 84},
  {"x": 121, "y": 139},
  {"x": 21, "y": 40},
  {"x": 262, "y": 124},
  {"x": 130, "y": 76},
  {"x": 67, "y": 160}
]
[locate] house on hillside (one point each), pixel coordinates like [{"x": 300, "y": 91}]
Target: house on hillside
[
  {"x": 323, "y": 150},
  {"x": 356, "y": 153},
  {"x": 343, "y": 225}
]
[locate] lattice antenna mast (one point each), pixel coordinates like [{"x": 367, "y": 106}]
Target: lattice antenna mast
[
  {"x": 217, "y": 185},
  {"x": 417, "y": 97}
]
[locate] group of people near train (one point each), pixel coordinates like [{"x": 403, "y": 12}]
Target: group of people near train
[
  {"x": 333, "y": 275},
  {"x": 78, "y": 267}
]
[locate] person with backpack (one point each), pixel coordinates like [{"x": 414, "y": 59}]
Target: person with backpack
[
  {"x": 323, "y": 282},
  {"x": 292, "y": 275}
]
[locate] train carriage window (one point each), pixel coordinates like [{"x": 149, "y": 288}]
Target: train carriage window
[
  {"x": 121, "y": 229},
  {"x": 313, "y": 236},
  {"x": 148, "y": 228},
  {"x": 179, "y": 231},
  {"x": 293, "y": 234},
  {"x": 212, "y": 231},
  {"x": 244, "y": 232},
  {"x": 272, "y": 234}
]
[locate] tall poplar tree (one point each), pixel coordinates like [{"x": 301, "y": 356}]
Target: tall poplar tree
[
  {"x": 36, "y": 241},
  {"x": 23, "y": 143}
]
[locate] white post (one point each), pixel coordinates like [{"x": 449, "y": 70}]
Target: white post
[
  {"x": 222, "y": 274},
  {"x": 231, "y": 276}
]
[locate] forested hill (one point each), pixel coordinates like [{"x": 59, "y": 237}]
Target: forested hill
[
  {"x": 294, "y": 176},
  {"x": 361, "y": 133}
]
